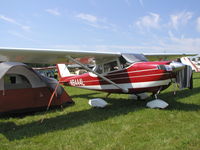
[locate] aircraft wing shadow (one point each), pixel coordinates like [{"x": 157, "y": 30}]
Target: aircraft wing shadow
[{"x": 117, "y": 107}]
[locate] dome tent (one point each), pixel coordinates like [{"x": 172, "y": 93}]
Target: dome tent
[{"x": 23, "y": 89}]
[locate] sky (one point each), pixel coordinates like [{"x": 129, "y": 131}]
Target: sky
[{"x": 163, "y": 26}]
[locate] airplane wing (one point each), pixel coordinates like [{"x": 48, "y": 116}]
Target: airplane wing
[
  {"x": 165, "y": 56},
  {"x": 50, "y": 56},
  {"x": 55, "y": 56}
]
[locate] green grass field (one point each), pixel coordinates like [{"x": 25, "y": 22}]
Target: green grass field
[{"x": 123, "y": 125}]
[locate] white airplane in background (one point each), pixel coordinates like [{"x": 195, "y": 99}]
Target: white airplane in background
[
  {"x": 115, "y": 72},
  {"x": 194, "y": 62}
]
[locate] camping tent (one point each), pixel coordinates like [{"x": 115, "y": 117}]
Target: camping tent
[{"x": 23, "y": 89}]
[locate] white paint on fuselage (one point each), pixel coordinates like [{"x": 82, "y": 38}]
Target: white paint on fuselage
[{"x": 129, "y": 85}]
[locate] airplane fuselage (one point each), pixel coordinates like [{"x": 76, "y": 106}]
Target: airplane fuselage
[{"x": 137, "y": 78}]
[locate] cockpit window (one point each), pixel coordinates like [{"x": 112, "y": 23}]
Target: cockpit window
[
  {"x": 99, "y": 69},
  {"x": 111, "y": 66},
  {"x": 108, "y": 67}
]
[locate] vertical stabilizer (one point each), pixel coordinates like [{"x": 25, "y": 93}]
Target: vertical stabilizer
[{"x": 63, "y": 70}]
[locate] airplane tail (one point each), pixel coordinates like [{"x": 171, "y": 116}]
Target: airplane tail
[{"x": 63, "y": 71}]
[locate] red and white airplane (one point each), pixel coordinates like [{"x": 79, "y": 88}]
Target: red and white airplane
[{"x": 114, "y": 72}]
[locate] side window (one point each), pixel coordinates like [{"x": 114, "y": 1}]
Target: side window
[
  {"x": 108, "y": 67},
  {"x": 111, "y": 66},
  {"x": 99, "y": 69},
  {"x": 15, "y": 81}
]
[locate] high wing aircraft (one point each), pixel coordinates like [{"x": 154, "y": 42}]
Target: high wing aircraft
[{"x": 115, "y": 72}]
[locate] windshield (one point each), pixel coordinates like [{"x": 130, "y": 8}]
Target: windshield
[{"x": 131, "y": 58}]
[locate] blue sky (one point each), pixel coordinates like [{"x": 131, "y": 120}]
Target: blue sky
[{"x": 102, "y": 25}]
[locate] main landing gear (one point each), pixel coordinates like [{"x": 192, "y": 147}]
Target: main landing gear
[{"x": 157, "y": 103}]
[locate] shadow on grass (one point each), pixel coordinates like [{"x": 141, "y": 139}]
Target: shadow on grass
[
  {"x": 86, "y": 95},
  {"x": 174, "y": 100},
  {"x": 117, "y": 107}
]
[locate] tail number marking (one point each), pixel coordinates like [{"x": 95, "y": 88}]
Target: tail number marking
[{"x": 76, "y": 82}]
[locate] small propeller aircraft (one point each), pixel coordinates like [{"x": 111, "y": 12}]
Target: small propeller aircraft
[{"x": 114, "y": 72}]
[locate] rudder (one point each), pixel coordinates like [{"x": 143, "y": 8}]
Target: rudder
[{"x": 63, "y": 70}]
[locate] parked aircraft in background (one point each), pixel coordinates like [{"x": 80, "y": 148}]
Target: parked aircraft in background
[
  {"x": 194, "y": 62},
  {"x": 115, "y": 72}
]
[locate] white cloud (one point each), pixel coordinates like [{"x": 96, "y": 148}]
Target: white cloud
[
  {"x": 179, "y": 19},
  {"x": 198, "y": 24},
  {"x": 10, "y": 20},
  {"x": 190, "y": 45},
  {"x": 13, "y": 21},
  {"x": 149, "y": 21},
  {"x": 54, "y": 12},
  {"x": 87, "y": 17},
  {"x": 96, "y": 22}
]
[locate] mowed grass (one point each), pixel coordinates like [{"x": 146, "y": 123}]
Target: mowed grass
[{"x": 124, "y": 124}]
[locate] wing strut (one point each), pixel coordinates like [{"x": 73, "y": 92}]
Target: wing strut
[{"x": 99, "y": 75}]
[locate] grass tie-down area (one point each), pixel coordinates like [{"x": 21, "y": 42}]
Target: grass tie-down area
[{"x": 123, "y": 124}]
